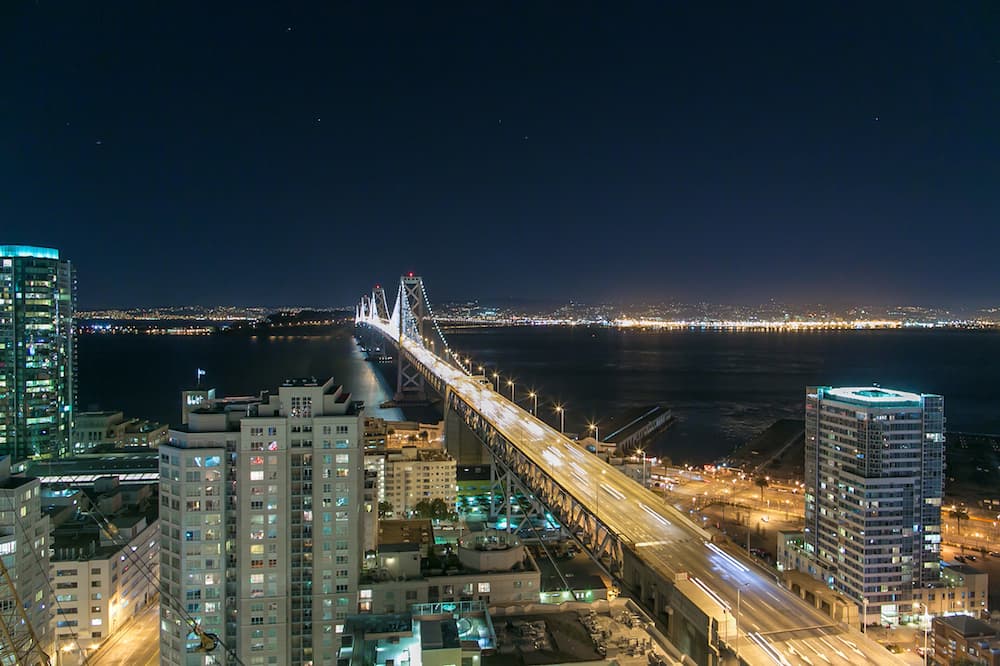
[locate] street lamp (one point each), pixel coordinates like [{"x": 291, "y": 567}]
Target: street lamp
[
  {"x": 927, "y": 618},
  {"x": 562, "y": 419},
  {"x": 643, "y": 452},
  {"x": 739, "y": 590},
  {"x": 597, "y": 431},
  {"x": 496, "y": 376},
  {"x": 510, "y": 383},
  {"x": 534, "y": 397}
]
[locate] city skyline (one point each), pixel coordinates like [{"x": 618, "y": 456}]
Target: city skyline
[{"x": 794, "y": 153}]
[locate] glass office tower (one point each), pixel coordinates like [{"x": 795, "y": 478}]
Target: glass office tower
[{"x": 37, "y": 352}]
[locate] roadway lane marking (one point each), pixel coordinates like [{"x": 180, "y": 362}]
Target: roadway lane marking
[
  {"x": 853, "y": 646},
  {"x": 832, "y": 647},
  {"x": 818, "y": 653},
  {"x": 646, "y": 544},
  {"x": 726, "y": 556},
  {"x": 801, "y": 656},
  {"x": 768, "y": 649},
  {"x": 663, "y": 521},
  {"x": 613, "y": 492}
]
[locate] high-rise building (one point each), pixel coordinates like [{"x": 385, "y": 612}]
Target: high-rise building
[
  {"x": 261, "y": 509},
  {"x": 874, "y": 459},
  {"x": 37, "y": 356}
]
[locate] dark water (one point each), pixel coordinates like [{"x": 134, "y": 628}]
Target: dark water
[
  {"x": 723, "y": 386},
  {"x": 144, "y": 375}
]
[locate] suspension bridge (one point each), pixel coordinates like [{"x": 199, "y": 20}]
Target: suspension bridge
[{"x": 716, "y": 606}]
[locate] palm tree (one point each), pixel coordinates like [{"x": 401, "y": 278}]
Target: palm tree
[
  {"x": 959, "y": 514},
  {"x": 762, "y": 482}
]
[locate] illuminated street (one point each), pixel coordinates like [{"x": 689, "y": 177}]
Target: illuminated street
[{"x": 135, "y": 644}]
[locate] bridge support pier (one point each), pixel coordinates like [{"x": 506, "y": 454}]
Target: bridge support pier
[{"x": 461, "y": 443}]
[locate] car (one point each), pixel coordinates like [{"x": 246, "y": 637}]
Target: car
[
  {"x": 994, "y": 553},
  {"x": 959, "y": 558},
  {"x": 971, "y": 558}
]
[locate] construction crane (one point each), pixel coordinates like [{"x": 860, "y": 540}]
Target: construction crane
[{"x": 20, "y": 645}]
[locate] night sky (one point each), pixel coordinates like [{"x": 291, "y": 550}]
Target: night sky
[{"x": 295, "y": 153}]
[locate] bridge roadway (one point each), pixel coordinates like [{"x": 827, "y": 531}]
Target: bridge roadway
[{"x": 775, "y": 626}]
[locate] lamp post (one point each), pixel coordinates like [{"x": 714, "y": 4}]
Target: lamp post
[
  {"x": 927, "y": 618},
  {"x": 534, "y": 397},
  {"x": 643, "y": 452},
  {"x": 739, "y": 590},
  {"x": 562, "y": 419},
  {"x": 510, "y": 383},
  {"x": 597, "y": 431},
  {"x": 496, "y": 376}
]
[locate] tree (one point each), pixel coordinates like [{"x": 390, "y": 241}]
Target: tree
[
  {"x": 958, "y": 515},
  {"x": 384, "y": 508},
  {"x": 762, "y": 482},
  {"x": 439, "y": 508},
  {"x": 422, "y": 509}
]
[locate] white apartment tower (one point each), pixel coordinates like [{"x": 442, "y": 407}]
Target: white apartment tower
[
  {"x": 873, "y": 485},
  {"x": 266, "y": 496}
]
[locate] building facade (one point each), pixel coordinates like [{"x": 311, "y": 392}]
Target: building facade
[
  {"x": 874, "y": 462},
  {"x": 24, "y": 548},
  {"x": 103, "y": 581},
  {"x": 37, "y": 352},
  {"x": 413, "y": 474},
  {"x": 261, "y": 507},
  {"x": 112, "y": 430}
]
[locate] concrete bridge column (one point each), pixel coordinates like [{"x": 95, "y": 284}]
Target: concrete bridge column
[{"x": 460, "y": 441}]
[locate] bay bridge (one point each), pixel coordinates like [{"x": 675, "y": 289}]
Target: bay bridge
[{"x": 714, "y": 604}]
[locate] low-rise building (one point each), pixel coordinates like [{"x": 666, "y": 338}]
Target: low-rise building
[
  {"x": 486, "y": 567},
  {"x": 960, "y": 639},
  {"x": 381, "y": 435},
  {"x": 442, "y": 633},
  {"x": 413, "y": 474},
  {"x": 103, "y": 576},
  {"x": 92, "y": 430}
]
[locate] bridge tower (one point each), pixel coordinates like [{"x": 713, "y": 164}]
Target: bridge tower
[{"x": 412, "y": 324}]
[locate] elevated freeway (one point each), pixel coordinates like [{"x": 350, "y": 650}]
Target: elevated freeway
[{"x": 713, "y": 602}]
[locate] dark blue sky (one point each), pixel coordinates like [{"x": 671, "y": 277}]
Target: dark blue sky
[{"x": 299, "y": 152}]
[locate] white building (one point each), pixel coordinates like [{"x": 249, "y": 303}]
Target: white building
[
  {"x": 262, "y": 535},
  {"x": 873, "y": 486},
  {"x": 24, "y": 547},
  {"x": 413, "y": 474},
  {"x": 103, "y": 581}
]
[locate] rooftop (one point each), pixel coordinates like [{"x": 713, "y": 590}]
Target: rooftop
[
  {"x": 967, "y": 626},
  {"x": 873, "y": 396},
  {"x": 28, "y": 251}
]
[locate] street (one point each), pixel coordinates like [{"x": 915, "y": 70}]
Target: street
[{"x": 135, "y": 644}]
